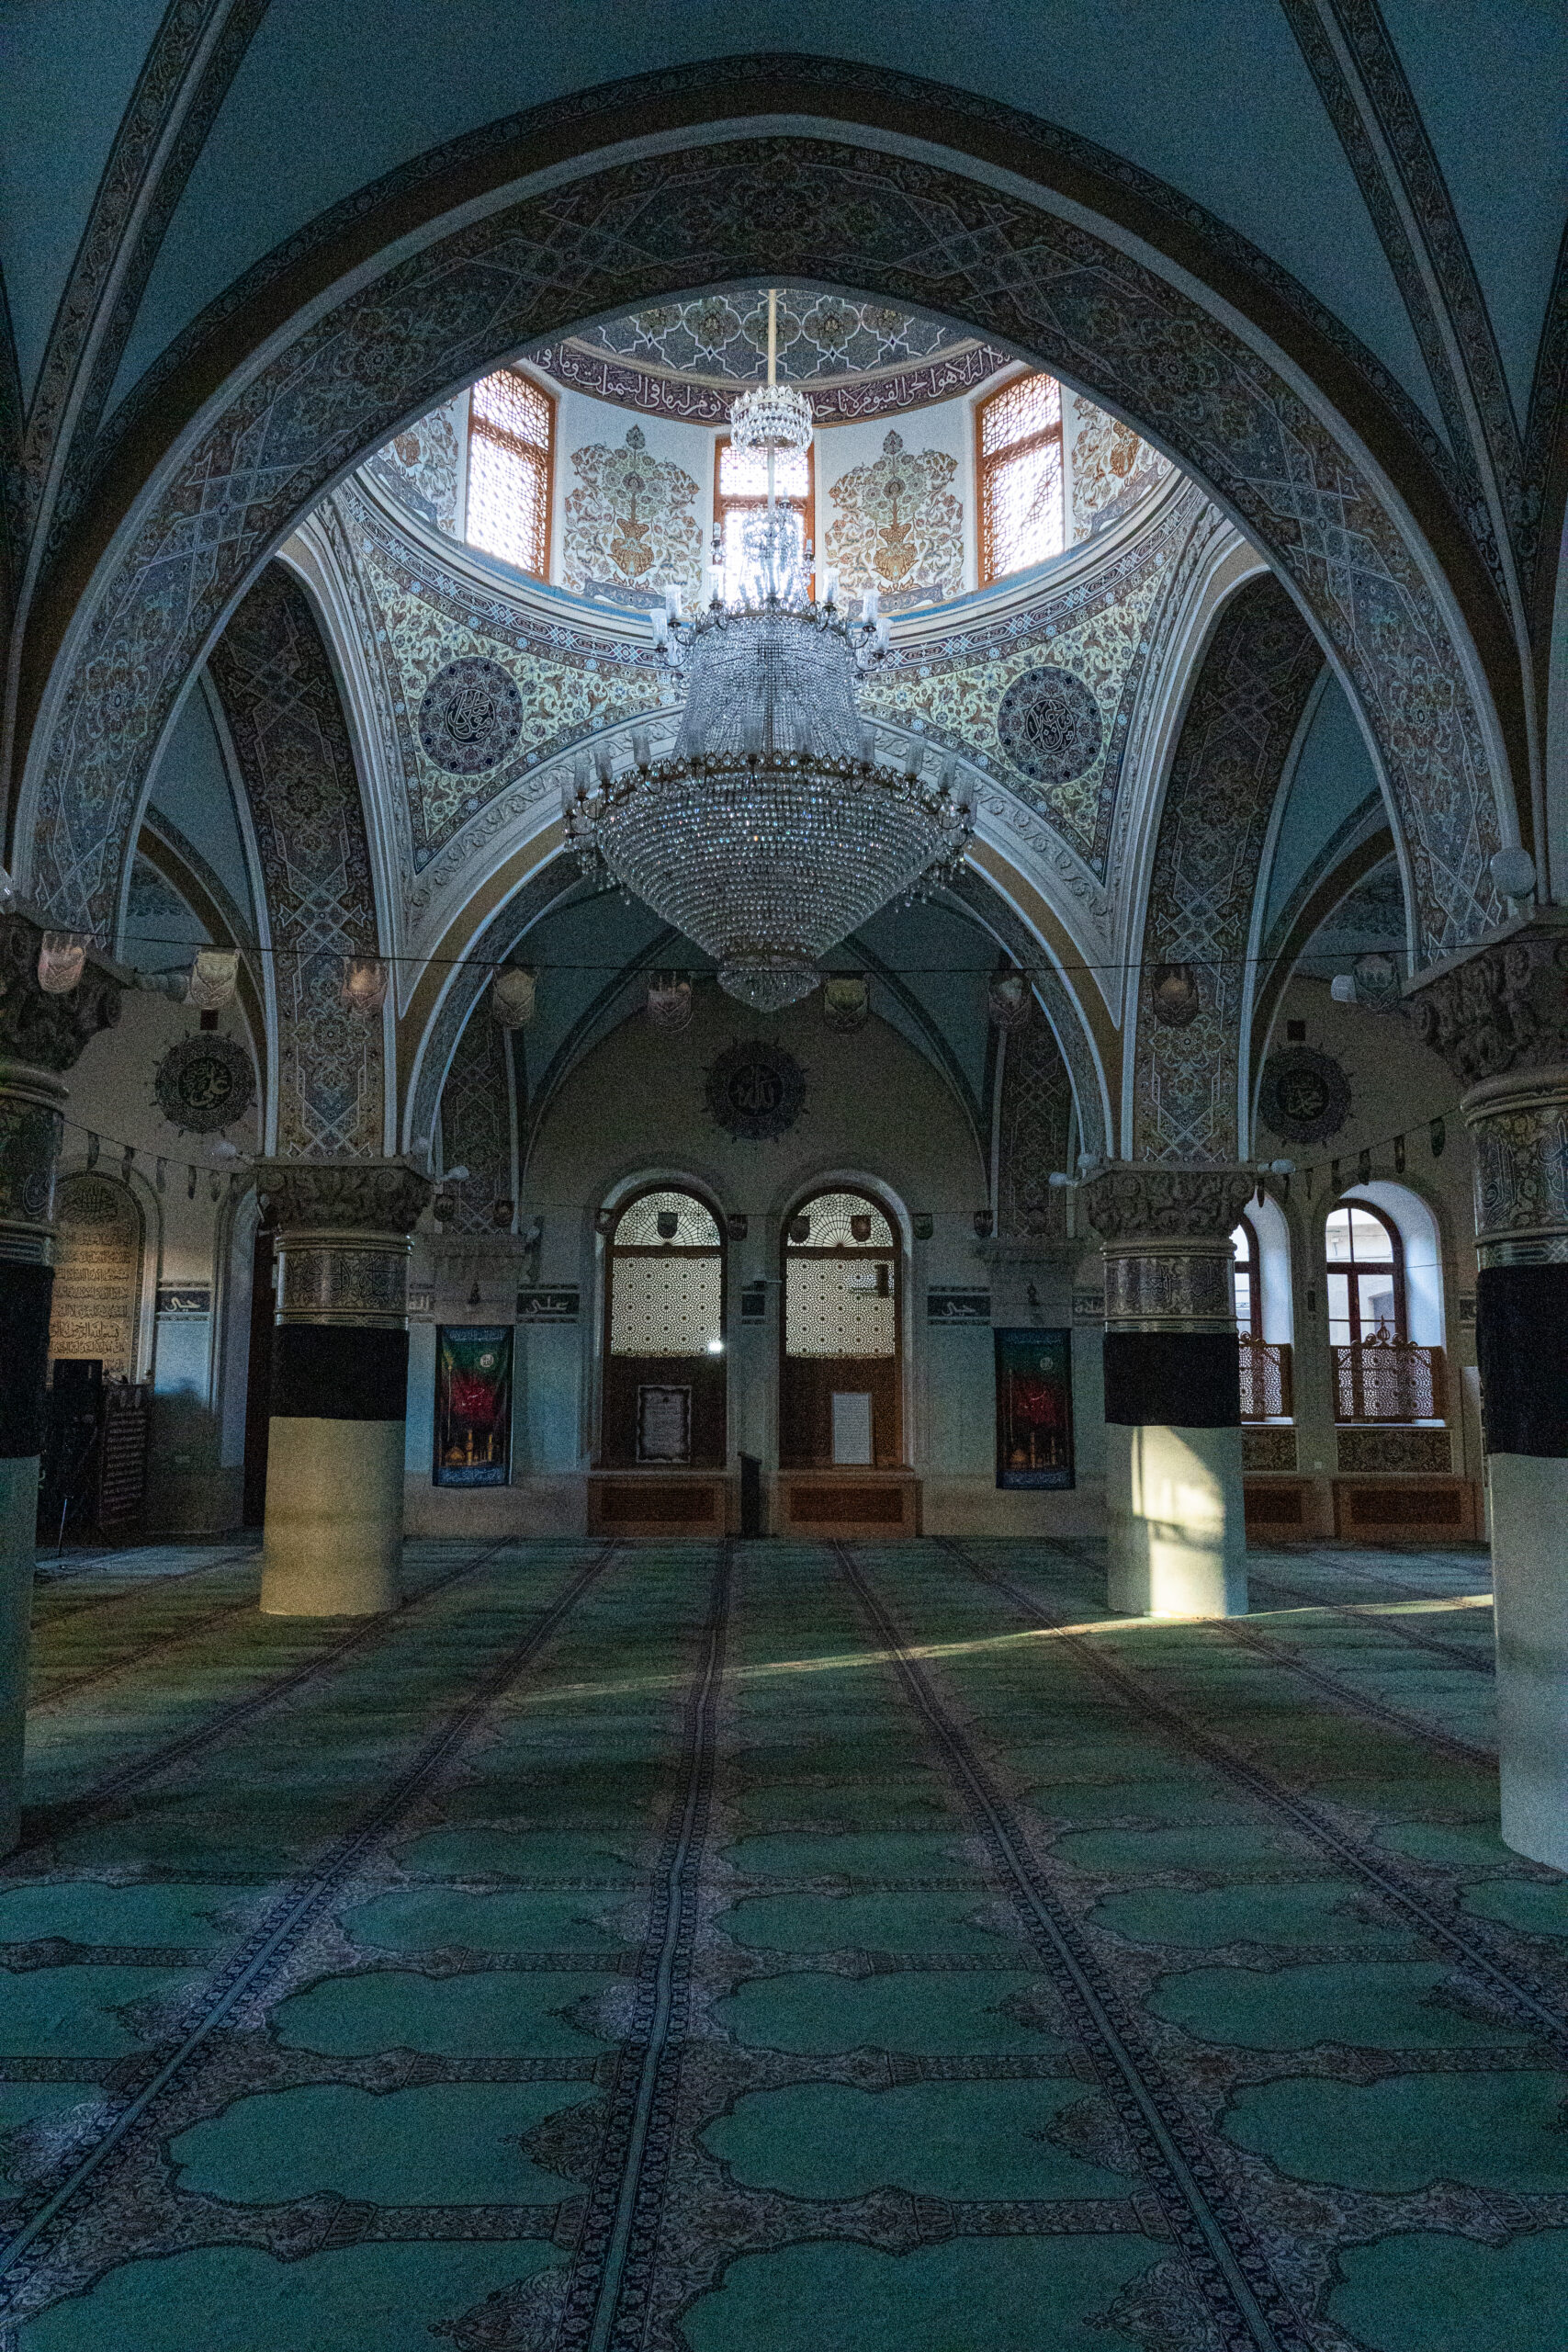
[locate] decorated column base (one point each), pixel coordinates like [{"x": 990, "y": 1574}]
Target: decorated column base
[
  {"x": 332, "y": 1535},
  {"x": 1175, "y": 1527}
]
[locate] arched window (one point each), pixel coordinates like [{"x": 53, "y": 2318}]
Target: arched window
[
  {"x": 1018, "y": 476},
  {"x": 1249, "y": 1278},
  {"x": 839, "y": 1391},
  {"x": 511, "y": 436},
  {"x": 665, "y": 1393},
  {"x": 1366, "y": 1275},
  {"x": 741, "y": 496}
]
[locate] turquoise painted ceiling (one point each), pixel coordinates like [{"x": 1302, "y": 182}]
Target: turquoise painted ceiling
[{"x": 1212, "y": 95}]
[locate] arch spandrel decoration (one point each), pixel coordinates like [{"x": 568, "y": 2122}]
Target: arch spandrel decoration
[
  {"x": 821, "y": 211},
  {"x": 274, "y": 678},
  {"x": 1246, "y": 703}
]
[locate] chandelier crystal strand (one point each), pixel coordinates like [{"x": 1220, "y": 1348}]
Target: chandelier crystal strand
[{"x": 771, "y": 833}]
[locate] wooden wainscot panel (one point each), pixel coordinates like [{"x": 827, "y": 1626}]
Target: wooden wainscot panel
[
  {"x": 849, "y": 1503},
  {"x": 1278, "y": 1510},
  {"x": 1407, "y": 1511},
  {"x": 652, "y": 1502}
]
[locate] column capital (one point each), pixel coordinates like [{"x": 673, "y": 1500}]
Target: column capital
[
  {"x": 1158, "y": 1200},
  {"x": 343, "y": 1229},
  {"x": 1165, "y": 1230},
  {"x": 343, "y": 1196},
  {"x": 39, "y": 1031},
  {"x": 1502, "y": 1010}
]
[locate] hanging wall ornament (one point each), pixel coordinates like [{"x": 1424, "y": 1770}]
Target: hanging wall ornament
[
  {"x": 212, "y": 978},
  {"x": 755, "y": 1090},
  {"x": 1377, "y": 981},
  {"x": 161, "y": 1175},
  {"x": 1364, "y": 1168},
  {"x": 1439, "y": 1137},
  {"x": 190, "y": 1183},
  {"x": 513, "y": 996},
  {"x": 846, "y": 1001},
  {"x": 93, "y": 1148},
  {"x": 203, "y": 1083},
  {"x": 364, "y": 984},
  {"x": 669, "y": 1000},
  {"x": 1399, "y": 1155},
  {"x": 59, "y": 961},
  {"x": 1011, "y": 1000},
  {"x": 127, "y": 1159},
  {"x": 1333, "y": 1175},
  {"x": 215, "y": 1187},
  {"x": 1304, "y": 1096},
  {"x": 1173, "y": 995}
]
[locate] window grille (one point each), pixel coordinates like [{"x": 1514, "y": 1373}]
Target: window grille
[
  {"x": 831, "y": 1223},
  {"x": 1384, "y": 1379},
  {"x": 512, "y": 425},
  {"x": 1019, "y": 474},
  {"x": 640, "y": 1226},
  {"x": 665, "y": 1306},
  {"x": 840, "y": 1306},
  {"x": 1267, "y": 1393}
]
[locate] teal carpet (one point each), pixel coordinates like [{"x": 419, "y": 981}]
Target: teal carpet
[{"x": 776, "y": 1948}]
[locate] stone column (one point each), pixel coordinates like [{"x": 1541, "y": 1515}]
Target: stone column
[
  {"x": 333, "y": 1532},
  {"x": 1177, "y": 1545},
  {"x": 39, "y": 1037},
  {"x": 1500, "y": 1020}
]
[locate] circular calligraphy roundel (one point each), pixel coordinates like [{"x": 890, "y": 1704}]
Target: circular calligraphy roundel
[
  {"x": 203, "y": 1083},
  {"x": 755, "y": 1090},
  {"x": 470, "y": 715},
  {"x": 1049, "y": 725},
  {"x": 1305, "y": 1096}
]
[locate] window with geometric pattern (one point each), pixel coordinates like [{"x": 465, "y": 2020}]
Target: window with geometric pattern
[
  {"x": 840, "y": 1279},
  {"x": 512, "y": 431},
  {"x": 666, "y": 1278},
  {"x": 1017, "y": 468}
]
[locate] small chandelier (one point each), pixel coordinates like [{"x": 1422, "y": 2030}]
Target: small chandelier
[{"x": 772, "y": 833}]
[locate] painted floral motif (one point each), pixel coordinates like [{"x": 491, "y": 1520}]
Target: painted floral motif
[
  {"x": 419, "y": 467},
  {"x": 1110, "y": 466},
  {"x": 896, "y": 525},
  {"x": 631, "y": 523},
  {"x": 424, "y": 619}
]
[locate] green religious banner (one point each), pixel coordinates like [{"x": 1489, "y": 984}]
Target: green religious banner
[
  {"x": 1034, "y": 1409},
  {"x": 473, "y": 1404}
]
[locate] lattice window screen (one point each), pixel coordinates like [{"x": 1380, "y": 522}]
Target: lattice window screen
[
  {"x": 829, "y": 1218},
  {"x": 694, "y": 1226},
  {"x": 512, "y": 425},
  {"x": 832, "y": 1308},
  {"x": 665, "y": 1306}
]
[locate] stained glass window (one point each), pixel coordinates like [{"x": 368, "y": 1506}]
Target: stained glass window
[
  {"x": 512, "y": 423},
  {"x": 1019, "y": 462}
]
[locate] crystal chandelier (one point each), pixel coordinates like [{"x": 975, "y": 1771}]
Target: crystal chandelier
[{"x": 772, "y": 833}]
